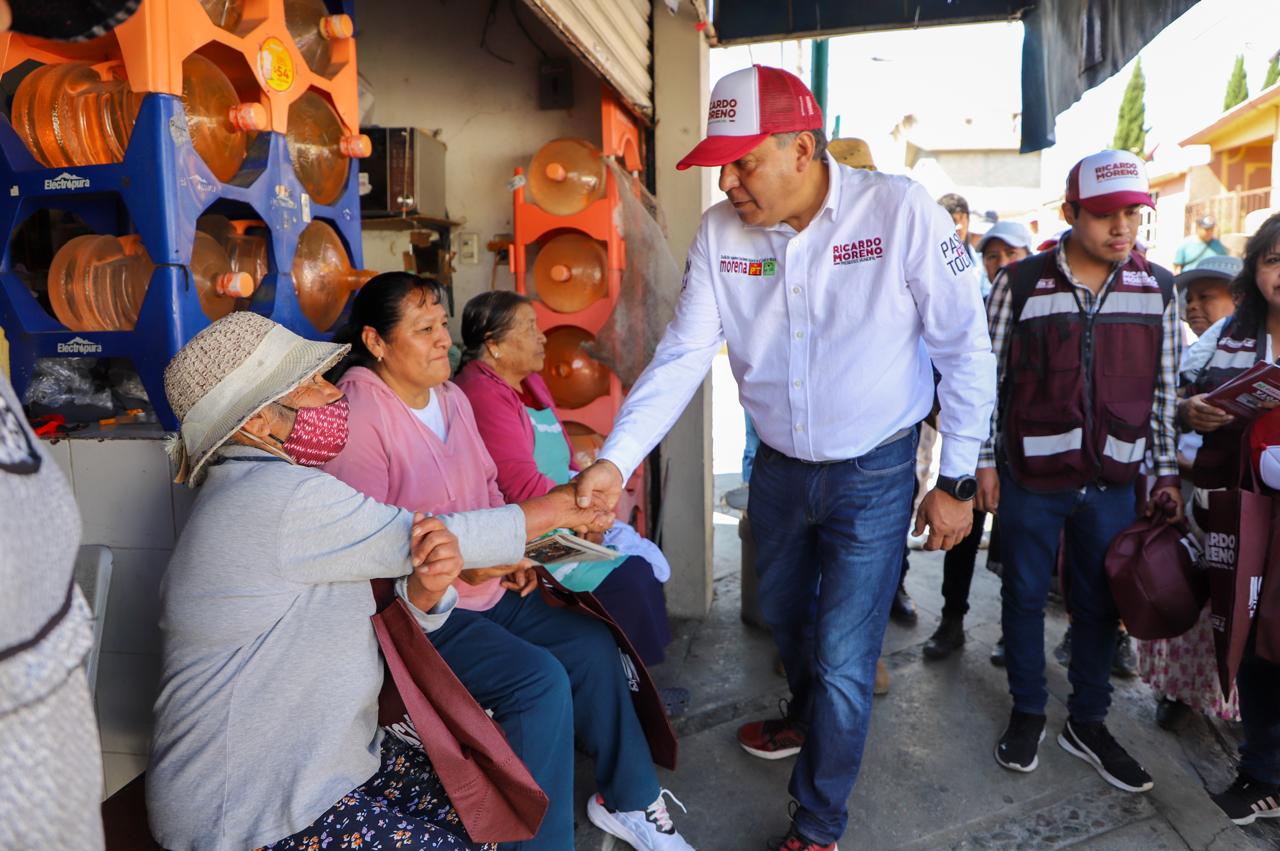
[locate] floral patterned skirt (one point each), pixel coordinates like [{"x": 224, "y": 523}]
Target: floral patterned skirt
[
  {"x": 1186, "y": 669},
  {"x": 403, "y": 806}
]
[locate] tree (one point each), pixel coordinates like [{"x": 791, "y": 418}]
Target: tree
[
  {"x": 1131, "y": 135},
  {"x": 1237, "y": 87},
  {"x": 1273, "y": 72}
]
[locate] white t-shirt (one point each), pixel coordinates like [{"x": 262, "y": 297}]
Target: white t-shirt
[{"x": 432, "y": 416}]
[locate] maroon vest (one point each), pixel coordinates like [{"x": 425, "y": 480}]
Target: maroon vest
[
  {"x": 1218, "y": 460},
  {"x": 1078, "y": 389}
]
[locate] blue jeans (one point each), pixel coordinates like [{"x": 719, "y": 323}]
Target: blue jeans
[
  {"x": 835, "y": 532},
  {"x": 1258, "y": 685},
  {"x": 749, "y": 450},
  {"x": 1030, "y": 527},
  {"x": 551, "y": 676}
]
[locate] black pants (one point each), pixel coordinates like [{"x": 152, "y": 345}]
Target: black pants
[{"x": 958, "y": 564}]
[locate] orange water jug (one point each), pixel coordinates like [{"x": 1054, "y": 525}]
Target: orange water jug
[
  {"x": 246, "y": 251},
  {"x": 566, "y": 176},
  {"x": 314, "y": 31},
  {"x": 586, "y": 443},
  {"x": 320, "y": 149},
  {"x": 70, "y": 116},
  {"x": 569, "y": 274},
  {"x": 322, "y": 275},
  {"x": 97, "y": 283},
  {"x": 225, "y": 13},
  {"x": 574, "y": 377},
  {"x": 221, "y": 126}
]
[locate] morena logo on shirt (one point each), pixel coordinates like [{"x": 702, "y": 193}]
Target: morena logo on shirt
[
  {"x": 857, "y": 251},
  {"x": 765, "y": 267}
]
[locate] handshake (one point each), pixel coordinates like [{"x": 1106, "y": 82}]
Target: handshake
[{"x": 437, "y": 557}]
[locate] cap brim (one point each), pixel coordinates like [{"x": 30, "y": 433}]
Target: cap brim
[
  {"x": 987, "y": 237},
  {"x": 1184, "y": 280},
  {"x": 1105, "y": 205},
  {"x": 720, "y": 150}
]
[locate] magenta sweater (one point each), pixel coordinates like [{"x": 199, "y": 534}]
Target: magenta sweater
[
  {"x": 504, "y": 425},
  {"x": 393, "y": 458}
]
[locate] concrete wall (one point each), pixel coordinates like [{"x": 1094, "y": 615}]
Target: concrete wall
[
  {"x": 681, "y": 92},
  {"x": 991, "y": 168},
  {"x": 428, "y": 70}
]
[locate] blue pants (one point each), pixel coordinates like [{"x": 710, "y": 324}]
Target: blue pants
[
  {"x": 1258, "y": 685},
  {"x": 749, "y": 450},
  {"x": 835, "y": 532},
  {"x": 549, "y": 676},
  {"x": 1030, "y": 527}
]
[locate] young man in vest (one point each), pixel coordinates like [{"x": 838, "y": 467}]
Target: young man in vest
[{"x": 1087, "y": 341}]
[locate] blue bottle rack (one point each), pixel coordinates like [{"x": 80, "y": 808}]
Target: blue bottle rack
[{"x": 158, "y": 192}]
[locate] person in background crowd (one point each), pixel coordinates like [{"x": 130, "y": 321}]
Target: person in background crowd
[
  {"x": 1087, "y": 339},
  {"x": 267, "y": 599},
  {"x": 1227, "y": 348},
  {"x": 1200, "y": 247},
  {"x": 1004, "y": 243},
  {"x": 502, "y": 354},
  {"x": 552, "y": 677},
  {"x": 1207, "y": 291},
  {"x": 1182, "y": 671},
  {"x": 867, "y": 281}
]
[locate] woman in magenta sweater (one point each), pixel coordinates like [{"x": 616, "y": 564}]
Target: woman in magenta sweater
[
  {"x": 548, "y": 675},
  {"x": 503, "y": 352}
]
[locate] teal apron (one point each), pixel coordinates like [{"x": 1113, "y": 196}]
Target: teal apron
[{"x": 551, "y": 454}]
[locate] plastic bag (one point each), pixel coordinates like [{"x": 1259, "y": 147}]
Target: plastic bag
[{"x": 59, "y": 383}]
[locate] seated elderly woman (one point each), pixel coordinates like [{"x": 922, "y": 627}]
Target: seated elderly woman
[
  {"x": 502, "y": 354},
  {"x": 546, "y": 673},
  {"x": 267, "y": 720}
]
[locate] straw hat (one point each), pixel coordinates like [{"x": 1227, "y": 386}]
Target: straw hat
[
  {"x": 226, "y": 374},
  {"x": 854, "y": 153}
]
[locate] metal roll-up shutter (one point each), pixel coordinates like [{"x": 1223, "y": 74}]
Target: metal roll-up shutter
[{"x": 613, "y": 36}]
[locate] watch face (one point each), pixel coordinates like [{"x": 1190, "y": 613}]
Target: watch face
[{"x": 966, "y": 487}]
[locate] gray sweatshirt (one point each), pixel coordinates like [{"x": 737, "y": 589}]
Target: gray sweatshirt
[{"x": 268, "y": 705}]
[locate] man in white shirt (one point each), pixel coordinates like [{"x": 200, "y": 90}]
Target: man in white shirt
[{"x": 827, "y": 283}]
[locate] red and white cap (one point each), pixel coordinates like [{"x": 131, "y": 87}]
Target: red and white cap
[
  {"x": 1108, "y": 181},
  {"x": 749, "y": 105}
]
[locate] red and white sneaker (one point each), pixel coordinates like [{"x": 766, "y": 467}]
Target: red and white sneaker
[
  {"x": 649, "y": 829},
  {"x": 776, "y": 738},
  {"x": 795, "y": 841}
]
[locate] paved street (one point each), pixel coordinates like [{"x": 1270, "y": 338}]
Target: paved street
[{"x": 928, "y": 779}]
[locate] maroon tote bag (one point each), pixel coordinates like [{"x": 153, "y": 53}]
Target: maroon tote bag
[
  {"x": 424, "y": 703},
  {"x": 1267, "y": 641},
  {"x": 1237, "y": 537},
  {"x": 644, "y": 694}
]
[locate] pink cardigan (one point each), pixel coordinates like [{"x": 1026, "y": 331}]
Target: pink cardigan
[
  {"x": 504, "y": 425},
  {"x": 392, "y": 457}
]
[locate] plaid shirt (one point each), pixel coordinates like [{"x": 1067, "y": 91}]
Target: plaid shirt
[{"x": 1164, "y": 439}]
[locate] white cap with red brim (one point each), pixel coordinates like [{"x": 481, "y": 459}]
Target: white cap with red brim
[{"x": 746, "y": 108}]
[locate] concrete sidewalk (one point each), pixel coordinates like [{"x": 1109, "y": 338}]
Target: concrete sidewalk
[{"x": 928, "y": 778}]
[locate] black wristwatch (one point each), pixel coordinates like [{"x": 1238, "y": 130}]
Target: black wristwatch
[{"x": 963, "y": 488}]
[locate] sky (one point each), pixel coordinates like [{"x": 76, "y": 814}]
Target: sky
[{"x": 876, "y": 78}]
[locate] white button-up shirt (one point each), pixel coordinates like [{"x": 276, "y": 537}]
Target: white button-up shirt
[{"x": 827, "y": 329}]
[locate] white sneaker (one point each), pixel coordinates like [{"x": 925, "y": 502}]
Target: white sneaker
[{"x": 645, "y": 830}]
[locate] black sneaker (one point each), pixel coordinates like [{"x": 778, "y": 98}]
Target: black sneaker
[
  {"x": 1094, "y": 744},
  {"x": 1016, "y": 749},
  {"x": 1124, "y": 662},
  {"x": 1247, "y": 800},
  {"x": 948, "y": 638}
]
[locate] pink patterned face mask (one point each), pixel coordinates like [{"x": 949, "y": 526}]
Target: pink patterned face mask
[{"x": 319, "y": 434}]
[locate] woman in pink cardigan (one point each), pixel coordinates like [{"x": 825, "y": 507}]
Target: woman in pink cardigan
[
  {"x": 548, "y": 675},
  {"x": 503, "y": 352}
]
